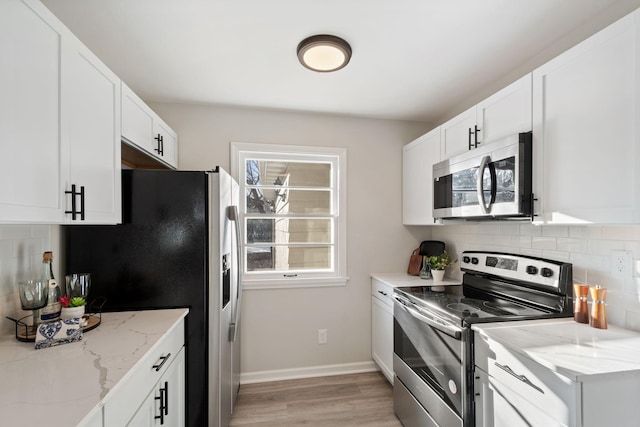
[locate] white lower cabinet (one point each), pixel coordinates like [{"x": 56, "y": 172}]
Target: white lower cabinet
[
  {"x": 512, "y": 390},
  {"x": 153, "y": 394},
  {"x": 382, "y": 327},
  {"x": 164, "y": 406}
]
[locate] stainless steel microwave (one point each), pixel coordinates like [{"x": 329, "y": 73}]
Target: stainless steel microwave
[{"x": 493, "y": 181}]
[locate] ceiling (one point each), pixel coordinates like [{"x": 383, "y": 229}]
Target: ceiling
[{"x": 412, "y": 59}]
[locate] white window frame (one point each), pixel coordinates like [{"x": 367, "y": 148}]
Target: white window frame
[{"x": 240, "y": 152}]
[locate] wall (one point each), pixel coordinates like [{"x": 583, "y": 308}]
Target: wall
[
  {"x": 588, "y": 248},
  {"x": 280, "y": 327},
  {"x": 21, "y": 248}
]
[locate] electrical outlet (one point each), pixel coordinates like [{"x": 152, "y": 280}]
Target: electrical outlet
[
  {"x": 621, "y": 264},
  {"x": 322, "y": 336}
]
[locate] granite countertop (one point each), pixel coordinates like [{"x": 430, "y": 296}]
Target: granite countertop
[
  {"x": 574, "y": 350},
  {"x": 60, "y": 386},
  {"x": 402, "y": 280}
]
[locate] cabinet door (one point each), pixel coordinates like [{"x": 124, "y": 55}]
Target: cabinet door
[
  {"x": 164, "y": 405},
  {"x": 418, "y": 158},
  {"x": 169, "y": 145},
  {"x": 31, "y": 42},
  {"x": 382, "y": 336},
  {"x": 499, "y": 406},
  {"x": 174, "y": 383},
  {"x": 586, "y": 129},
  {"x": 137, "y": 121},
  {"x": 91, "y": 133},
  {"x": 506, "y": 112},
  {"x": 455, "y": 134}
]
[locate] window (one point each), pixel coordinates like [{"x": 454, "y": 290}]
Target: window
[{"x": 293, "y": 213}]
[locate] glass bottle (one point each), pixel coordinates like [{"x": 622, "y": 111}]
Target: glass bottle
[{"x": 52, "y": 310}]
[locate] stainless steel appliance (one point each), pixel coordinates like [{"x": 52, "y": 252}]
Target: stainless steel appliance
[
  {"x": 433, "y": 341},
  {"x": 492, "y": 181},
  {"x": 177, "y": 246}
]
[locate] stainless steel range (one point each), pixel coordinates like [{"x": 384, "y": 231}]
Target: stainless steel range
[{"x": 433, "y": 340}]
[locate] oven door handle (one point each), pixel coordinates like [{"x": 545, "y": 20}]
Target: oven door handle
[{"x": 447, "y": 329}]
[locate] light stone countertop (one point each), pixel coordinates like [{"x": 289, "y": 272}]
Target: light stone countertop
[
  {"x": 60, "y": 386},
  {"x": 398, "y": 280},
  {"x": 574, "y": 350}
]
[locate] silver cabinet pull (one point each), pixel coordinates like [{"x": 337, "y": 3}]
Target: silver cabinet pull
[{"x": 522, "y": 378}]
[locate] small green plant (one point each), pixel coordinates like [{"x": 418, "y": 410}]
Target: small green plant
[
  {"x": 439, "y": 262},
  {"x": 71, "y": 302}
]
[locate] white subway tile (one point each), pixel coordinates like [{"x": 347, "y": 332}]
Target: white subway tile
[
  {"x": 14, "y": 231},
  {"x": 555, "y": 231},
  {"x": 530, "y": 230},
  {"x": 566, "y": 244},
  {"x": 621, "y": 233},
  {"x": 557, "y": 256},
  {"x": 544, "y": 243},
  {"x": 585, "y": 232},
  {"x": 604, "y": 247},
  {"x": 632, "y": 320}
]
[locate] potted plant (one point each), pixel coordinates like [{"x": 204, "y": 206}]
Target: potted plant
[
  {"x": 72, "y": 307},
  {"x": 438, "y": 263}
]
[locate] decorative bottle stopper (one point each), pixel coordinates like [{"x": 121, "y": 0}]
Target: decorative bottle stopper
[
  {"x": 598, "y": 308},
  {"x": 580, "y": 306}
]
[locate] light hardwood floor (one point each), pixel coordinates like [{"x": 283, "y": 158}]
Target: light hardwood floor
[{"x": 343, "y": 400}]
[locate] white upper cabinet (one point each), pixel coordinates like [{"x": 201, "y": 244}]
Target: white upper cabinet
[
  {"x": 59, "y": 112},
  {"x": 30, "y": 43},
  {"x": 586, "y": 129},
  {"x": 91, "y": 133},
  {"x": 458, "y": 134},
  {"x": 506, "y": 112},
  {"x": 137, "y": 121},
  {"x": 143, "y": 129},
  {"x": 418, "y": 158}
]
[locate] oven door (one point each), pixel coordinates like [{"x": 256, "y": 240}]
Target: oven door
[
  {"x": 429, "y": 363},
  {"x": 491, "y": 181}
]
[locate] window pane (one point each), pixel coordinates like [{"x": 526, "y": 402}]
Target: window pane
[
  {"x": 288, "y": 258},
  {"x": 285, "y": 201},
  {"x": 289, "y": 230},
  {"x": 292, "y": 174}
]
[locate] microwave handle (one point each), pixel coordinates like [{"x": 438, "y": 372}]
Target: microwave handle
[{"x": 486, "y": 208}]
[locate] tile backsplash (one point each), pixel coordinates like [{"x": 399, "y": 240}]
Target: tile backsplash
[
  {"x": 21, "y": 248},
  {"x": 588, "y": 248}
]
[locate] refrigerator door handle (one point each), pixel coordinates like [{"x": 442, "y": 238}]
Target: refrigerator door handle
[{"x": 232, "y": 214}]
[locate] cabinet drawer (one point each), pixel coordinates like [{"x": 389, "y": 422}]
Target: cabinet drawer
[
  {"x": 528, "y": 380},
  {"x": 135, "y": 387},
  {"x": 382, "y": 291}
]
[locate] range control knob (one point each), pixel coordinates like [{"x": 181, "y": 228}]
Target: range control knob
[
  {"x": 532, "y": 269},
  {"x": 474, "y": 260},
  {"x": 546, "y": 272},
  {"x": 466, "y": 259}
]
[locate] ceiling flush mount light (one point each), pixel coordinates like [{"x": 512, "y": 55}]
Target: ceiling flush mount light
[{"x": 324, "y": 53}]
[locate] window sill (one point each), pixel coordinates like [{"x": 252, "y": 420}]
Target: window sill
[{"x": 284, "y": 283}]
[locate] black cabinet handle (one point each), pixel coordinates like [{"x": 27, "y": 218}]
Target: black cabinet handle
[
  {"x": 166, "y": 397},
  {"x": 163, "y": 360},
  {"x": 74, "y": 211},
  {"x": 474, "y": 132},
  {"x": 160, "y": 149},
  {"x": 383, "y": 293},
  {"x": 161, "y": 398}
]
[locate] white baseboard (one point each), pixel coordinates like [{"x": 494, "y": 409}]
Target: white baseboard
[{"x": 307, "y": 372}]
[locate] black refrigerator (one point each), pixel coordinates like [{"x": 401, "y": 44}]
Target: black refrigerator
[{"x": 177, "y": 246}]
